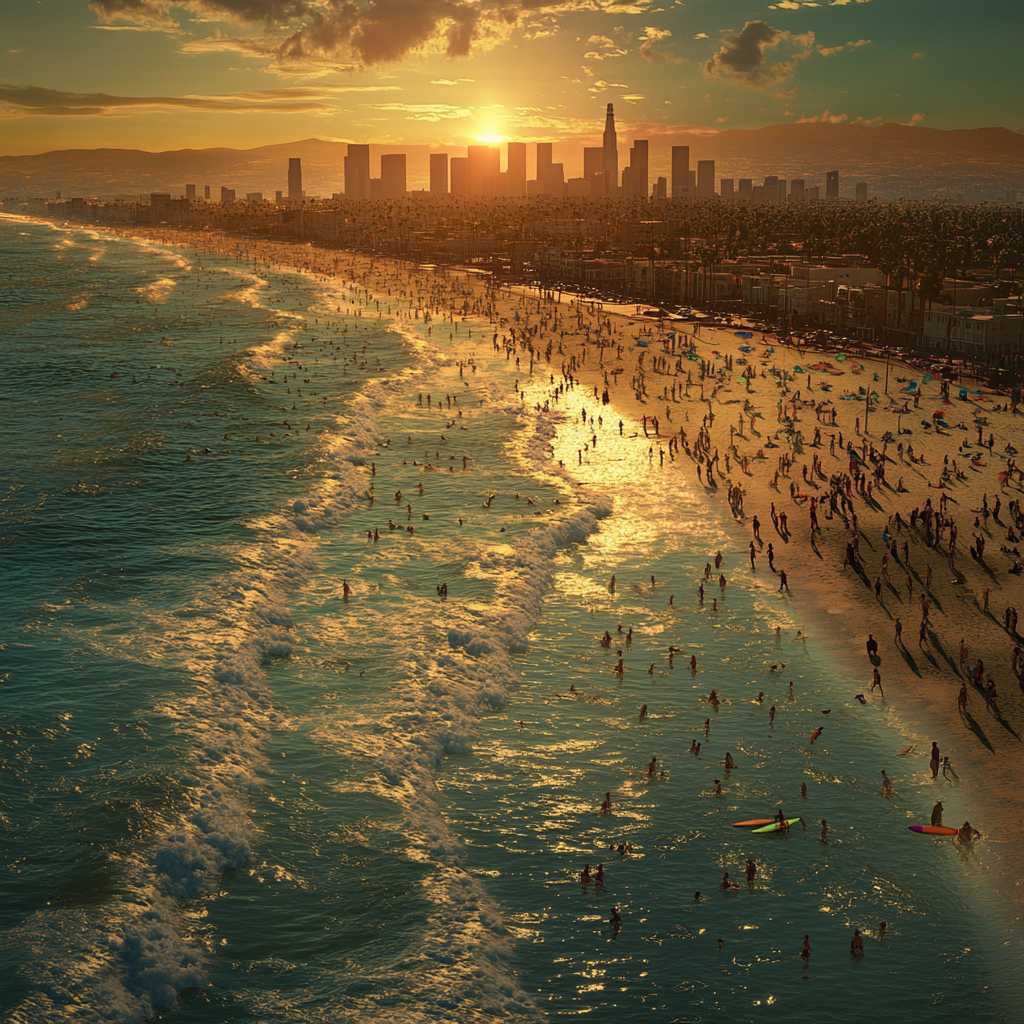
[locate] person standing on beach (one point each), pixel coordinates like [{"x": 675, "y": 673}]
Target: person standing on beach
[{"x": 935, "y": 760}]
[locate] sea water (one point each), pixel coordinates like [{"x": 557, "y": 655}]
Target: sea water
[{"x": 233, "y": 793}]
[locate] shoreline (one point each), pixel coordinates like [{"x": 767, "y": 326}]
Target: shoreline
[{"x": 921, "y": 678}]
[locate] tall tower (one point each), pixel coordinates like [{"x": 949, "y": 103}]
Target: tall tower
[
  {"x": 439, "y": 174},
  {"x": 831, "y": 184},
  {"x": 295, "y": 180},
  {"x": 610, "y": 163},
  {"x": 681, "y": 172}
]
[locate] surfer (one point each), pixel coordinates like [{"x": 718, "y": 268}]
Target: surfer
[
  {"x": 780, "y": 818},
  {"x": 967, "y": 833}
]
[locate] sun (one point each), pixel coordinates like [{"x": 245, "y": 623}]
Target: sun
[{"x": 492, "y": 140}]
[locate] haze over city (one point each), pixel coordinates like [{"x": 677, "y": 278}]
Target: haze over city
[{"x": 512, "y": 511}]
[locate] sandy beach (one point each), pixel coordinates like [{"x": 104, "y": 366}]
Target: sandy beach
[{"x": 771, "y": 433}]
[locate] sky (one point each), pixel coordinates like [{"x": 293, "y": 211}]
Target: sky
[{"x": 159, "y": 74}]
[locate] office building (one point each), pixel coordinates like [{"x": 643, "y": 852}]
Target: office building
[
  {"x": 294, "y": 180},
  {"x": 555, "y": 181},
  {"x": 861, "y": 191},
  {"x": 543, "y": 163},
  {"x": 796, "y": 191},
  {"x": 705, "y": 179},
  {"x": 781, "y": 190},
  {"x": 227, "y": 195},
  {"x": 357, "y": 173},
  {"x": 745, "y": 188},
  {"x": 516, "y": 168},
  {"x": 636, "y": 175},
  {"x": 770, "y": 188},
  {"x": 254, "y": 197},
  {"x": 831, "y": 184},
  {"x": 593, "y": 164},
  {"x": 159, "y": 198},
  {"x": 496, "y": 185},
  {"x": 812, "y": 194},
  {"x": 206, "y": 191},
  {"x": 726, "y": 188},
  {"x": 661, "y": 189},
  {"x": 479, "y": 158},
  {"x": 577, "y": 188},
  {"x": 681, "y": 172},
  {"x": 610, "y": 159},
  {"x": 460, "y": 175},
  {"x": 190, "y": 192},
  {"x": 439, "y": 174},
  {"x": 278, "y": 197},
  {"x": 392, "y": 176}
]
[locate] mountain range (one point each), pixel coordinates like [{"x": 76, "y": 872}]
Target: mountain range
[{"x": 894, "y": 159}]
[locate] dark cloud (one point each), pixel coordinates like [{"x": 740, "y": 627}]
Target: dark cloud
[
  {"x": 744, "y": 56},
  {"x": 341, "y": 31}
]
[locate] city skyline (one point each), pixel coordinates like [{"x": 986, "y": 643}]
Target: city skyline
[{"x": 154, "y": 74}]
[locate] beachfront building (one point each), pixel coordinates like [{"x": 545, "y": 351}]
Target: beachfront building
[{"x": 973, "y": 333}]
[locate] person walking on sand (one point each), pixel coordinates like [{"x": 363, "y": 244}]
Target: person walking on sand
[
  {"x": 783, "y": 581},
  {"x": 876, "y": 680},
  {"x": 898, "y": 638}
]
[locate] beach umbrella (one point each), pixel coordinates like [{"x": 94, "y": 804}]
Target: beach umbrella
[{"x": 743, "y": 334}]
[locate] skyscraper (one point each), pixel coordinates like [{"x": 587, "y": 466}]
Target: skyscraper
[
  {"x": 439, "y": 174},
  {"x": 831, "y": 184},
  {"x": 460, "y": 175},
  {"x": 392, "y": 176},
  {"x": 190, "y": 192},
  {"x": 516, "y": 168},
  {"x": 861, "y": 192},
  {"x": 357, "y": 172},
  {"x": 610, "y": 161},
  {"x": 705, "y": 179},
  {"x": 745, "y": 188},
  {"x": 478, "y": 168},
  {"x": 681, "y": 171},
  {"x": 543, "y": 163},
  {"x": 294, "y": 180},
  {"x": 727, "y": 188},
  {"x": 593, "y": 161},
  {"x": 638, "y": 169},
  {"x": 796, "y": 190}
]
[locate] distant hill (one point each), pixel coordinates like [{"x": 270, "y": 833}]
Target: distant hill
[{"x": 895, "y": 160}]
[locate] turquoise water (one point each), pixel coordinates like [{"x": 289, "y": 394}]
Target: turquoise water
[{"x": 235, "y": 794}]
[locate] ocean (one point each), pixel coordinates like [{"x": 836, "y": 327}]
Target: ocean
[{"x": 306, "y": 715}]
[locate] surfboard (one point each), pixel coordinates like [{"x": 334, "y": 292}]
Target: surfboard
[
  {"x": 908, "y": 750},
  {"x": 774, "y": 827},
  {"x": 934, "y": 830},
  {"x": 753, "y": 823}
]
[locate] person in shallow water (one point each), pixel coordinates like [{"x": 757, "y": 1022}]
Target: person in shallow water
[
  {"x": 607, "y": 805},
  {"x": 616, "y": 920},
  {"x": 856, "y": 943}
]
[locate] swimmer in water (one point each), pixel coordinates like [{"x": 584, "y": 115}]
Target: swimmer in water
[
  {"x": 967, "y": 833},
  {"x": 652, "y": 768},
  {"x": 643, "y": 712},
  {"x": 856, "y": 943},
  {"x": 729, "y": 762},
  {"x": 817, "y": 732},
  {"x": 599, "y": 874},
  {"x": 751, "y": 871},
  {"x": 771, "y": 716},
  {"x": 806, "y": 951},
  {"x": 718, "y": 788},
  {"x": 886, "y": 784},
  {"x": 607, "y": 805},
  {"x": 615, "y": 921},
  {"x": 585, "y": 875},
  {"x": 726, "y": 883},
  {"x": 824, "y": 830}
]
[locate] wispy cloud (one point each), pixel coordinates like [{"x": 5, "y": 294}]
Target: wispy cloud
[
  {"x": 651, "y": 48},
  {"x": 828, "y": 51},
  {"x": 427, "y": 111},
  {"x": 35, "y": 101}
]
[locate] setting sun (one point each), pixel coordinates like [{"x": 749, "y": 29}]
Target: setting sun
[{"x": 493, "y": 140}]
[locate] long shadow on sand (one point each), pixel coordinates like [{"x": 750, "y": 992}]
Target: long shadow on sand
[{"x": 977, "y": 730}]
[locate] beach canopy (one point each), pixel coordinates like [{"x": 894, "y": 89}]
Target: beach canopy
[
  {"x": 642, "y": 343},
  {"x": 743, "y": 334}
]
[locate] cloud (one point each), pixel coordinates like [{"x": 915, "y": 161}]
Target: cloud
[
  {"x": 825, "y": 118},
  {"x": 827, "y": 51},
  {"x": 701, "y": 35},
  {"x": 427, "y": 111},
  {"x": 451, "y": 81},
  {"x": 650, "y": 50},
  {"x": 35, "y": 101},
  {"x": 788, "y": 94},
  {"x": 609, "y": 48},
  {"x": 917, "y": 56},
  {"x": 632, "y": 97},
  {"x": 743, "y": 57},
  {"x": 917, "y": 119}
]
